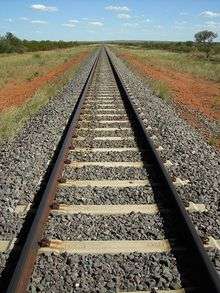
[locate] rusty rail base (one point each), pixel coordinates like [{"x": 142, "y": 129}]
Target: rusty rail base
[
  {"x": 205, "y": 272},
  {"x": 24, "y": 267}
]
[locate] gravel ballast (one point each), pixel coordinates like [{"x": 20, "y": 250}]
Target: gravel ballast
[
  {"x": 104, "y": 125},
  {"x": 104, "y": 273},
  {"x": 122, "y": 133},
  {"x": 105, "y": 195},
  {"x": 134, "y": 226},
  {"x": 125, "y": 156},
  {"x": 10, "y": 226},
  {"x": 99, "y": 172},
  {"x": 106, "y": 143}
]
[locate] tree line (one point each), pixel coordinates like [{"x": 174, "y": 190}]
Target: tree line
[
  {"x": 203, "y": 42},
  {"x": 9, "y": 43}
]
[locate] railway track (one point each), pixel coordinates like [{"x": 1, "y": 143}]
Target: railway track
[{"x": 109, "y": 219}]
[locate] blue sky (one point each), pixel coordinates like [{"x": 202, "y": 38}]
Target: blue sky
[{"x": 108, "y": 19}]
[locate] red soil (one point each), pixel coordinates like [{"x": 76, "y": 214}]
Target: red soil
[
  {"x": 196, "y": 93},
  {"x": 16, "y": 94}
]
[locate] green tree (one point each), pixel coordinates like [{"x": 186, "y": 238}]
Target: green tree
[
  {"x": 205, "y": 39},
  {"x": 10, "y": 44}
]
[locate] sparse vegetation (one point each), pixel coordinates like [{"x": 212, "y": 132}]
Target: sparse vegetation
[
  {"x": 160, "y": 89},
  {"x": 183, "y": 62},
  {"x": 167, "y": 75},
  {"x": 214, "y": 141},
  {"x": 216, "y": 104},
  {"x": 19, "y": 68},
  {"x": 12, "y": 120},
  {"x": 32, "y": 76}
]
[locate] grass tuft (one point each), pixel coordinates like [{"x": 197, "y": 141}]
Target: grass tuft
[
  {"x": 36, "y": 55},
  {"x": 216, "y": 104},
  {"x": 160, "y": 89},
  {"x": 32, "y": 76},
  {"x": 214, "y": 140}
]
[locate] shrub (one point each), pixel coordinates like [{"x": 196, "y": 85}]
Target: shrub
[
  {"x": 160, "y": 89},
  {"x": 32, "y": 76},
  {"x": 11, "y": 44},
  {"x": 37, "y": 56}
]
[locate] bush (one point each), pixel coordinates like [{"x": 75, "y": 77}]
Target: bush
[{"x": 11, "y": 44}]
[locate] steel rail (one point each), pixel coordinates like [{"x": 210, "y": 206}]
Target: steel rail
[
  {"x": 27, "y": 258},
  {"x": 206, "y": 274}
]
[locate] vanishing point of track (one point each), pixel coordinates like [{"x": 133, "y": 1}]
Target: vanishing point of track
[{"x": 106, "y": 140}]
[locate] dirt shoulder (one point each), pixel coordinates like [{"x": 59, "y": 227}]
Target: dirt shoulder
[
  {"x": 197, "y": 93},
  {"x": 190, "y": 94},
  {"x": 16, "y": 94}
]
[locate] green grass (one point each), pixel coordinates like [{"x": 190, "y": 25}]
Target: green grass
[
  {"x": 216, "y": 104},
  {"x": 12, "y": 121},
  {"x": 214, "y": 140},
  {"x": 160, "y": 89},
  {"x": 183, "y": 62},
  {"x": 22, "y": 67}
]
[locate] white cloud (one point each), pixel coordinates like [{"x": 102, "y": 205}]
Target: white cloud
[
  {"x": 23, "y": 18},
  {"x": 41, "y": 7},
  {"x": 117, "y": 8},
  {"x": 9, "y": 20},
  {"x": 124, "y": 16},
  {"x": 183, "y": 13},
  {"x": 69, "y": 25},
  {"x": 208, "y": 25},
  {"x": 212, "y": 24},
  {"x": 38, "y": 21},
  {"x": 147, "y": 20},
  {"x": 180, "y": 23},
  {"x": 129, "y": 24},
  {"x": 73, "y": 20},
  {"x": 210, "y": 14},
  {"x": 96, "y": 23}
]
